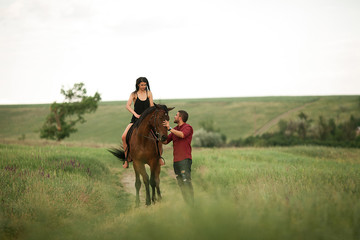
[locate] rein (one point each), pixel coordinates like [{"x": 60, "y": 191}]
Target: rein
[{"x": 157, "y": 144}]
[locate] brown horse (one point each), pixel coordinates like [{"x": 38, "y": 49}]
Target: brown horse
[{"x": 144, "y": 141}]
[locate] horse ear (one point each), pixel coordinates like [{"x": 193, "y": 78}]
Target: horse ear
[
  {"x": 169, "y": 109},
  {"x": 157, "y": 106}
]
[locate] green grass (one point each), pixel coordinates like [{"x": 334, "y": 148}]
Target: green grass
[
  {"x": 22, "y": 119},
  {"x": 251, "y": 193},
  {"x": 52, "y": 187},
  {"x": 235, "y": 117}
]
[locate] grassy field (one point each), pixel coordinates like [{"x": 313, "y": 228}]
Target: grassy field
[
  {"x": 77, "y": 190},
  {"x": 62, "y": 192},
  {"x": 235, "y": 117}
]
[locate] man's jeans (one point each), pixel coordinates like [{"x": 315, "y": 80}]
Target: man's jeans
[{"x": 182, "y": 170}]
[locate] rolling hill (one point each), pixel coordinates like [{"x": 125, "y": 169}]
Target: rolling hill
[{"x": 235, "y": 117}]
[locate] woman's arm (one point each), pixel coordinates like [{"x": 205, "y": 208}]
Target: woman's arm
[
  {"x": 128, "y": 106},
  {"x": 151, "y": 99}
]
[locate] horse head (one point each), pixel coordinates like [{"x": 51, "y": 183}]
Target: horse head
[{"x": 160, "y": 114}]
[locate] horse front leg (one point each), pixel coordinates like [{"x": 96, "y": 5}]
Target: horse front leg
[
  {"x": 145, "y": 178},
  {"x": 153, "y": 186},
  {"x": 147, "y": 188},
  {"x": 155, "y": 182},
  {"x": 137, "y": 187}
]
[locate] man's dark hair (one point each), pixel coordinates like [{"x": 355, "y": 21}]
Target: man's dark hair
[{"x": 184, "y": 115}]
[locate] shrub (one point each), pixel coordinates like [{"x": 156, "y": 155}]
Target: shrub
[{"x": 203, "y": 138}]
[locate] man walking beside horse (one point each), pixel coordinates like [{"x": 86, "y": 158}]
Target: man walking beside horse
[{"x": 181, "y": 136}]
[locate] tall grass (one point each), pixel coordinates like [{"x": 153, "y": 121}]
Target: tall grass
[
  {"x": 250, "y": 193},
  {"x": 52, "y": 187},
  {"x": 287, "y": 190}
]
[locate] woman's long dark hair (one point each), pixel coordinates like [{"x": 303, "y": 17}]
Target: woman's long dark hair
[{"x": 140, "y": 80}]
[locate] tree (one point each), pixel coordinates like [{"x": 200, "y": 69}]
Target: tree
[
  {"x": 332, "y": 127},
  {"x": 209, "y": 126},
  {"x": 302, "y": 116},
  {"x": 282, "y": 126},
  {"x": 291, "y": 128},
  {"x": 349, "y": 128},
  {"x": 323, "y": 128},
  {"x": 303, "y": 125},
  {"x": 63, "y": 117}
]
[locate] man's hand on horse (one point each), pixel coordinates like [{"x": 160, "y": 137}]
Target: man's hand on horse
[{"x": 166, "y": 124}]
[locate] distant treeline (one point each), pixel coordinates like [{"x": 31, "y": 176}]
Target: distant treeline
[{"x": 305, "y": 131}]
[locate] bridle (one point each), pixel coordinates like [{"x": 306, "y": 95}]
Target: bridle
[{"x": 155, "y": 134}]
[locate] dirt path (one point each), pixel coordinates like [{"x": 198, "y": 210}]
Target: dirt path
[
  {"x": 127, "y": 180},
  {"x": 275, "y": 121}
]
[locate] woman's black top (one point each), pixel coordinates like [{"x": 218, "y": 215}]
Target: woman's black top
[{"x": 140, "y": 107}]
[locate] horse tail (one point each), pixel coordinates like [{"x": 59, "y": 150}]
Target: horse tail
[{"x": 119, "y": 153}]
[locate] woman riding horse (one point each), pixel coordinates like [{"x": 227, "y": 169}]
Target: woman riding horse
[
  {"x": 144, "y": 143},
  {"x": 143, "y": 99}
]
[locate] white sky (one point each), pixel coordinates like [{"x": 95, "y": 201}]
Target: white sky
[{"x": 186, "y": 49}]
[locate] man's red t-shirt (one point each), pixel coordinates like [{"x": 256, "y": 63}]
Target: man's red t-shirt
[{"x": 182, "y": 146}]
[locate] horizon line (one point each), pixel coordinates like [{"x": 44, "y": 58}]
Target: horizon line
[{"x": 199, "y": 98}]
